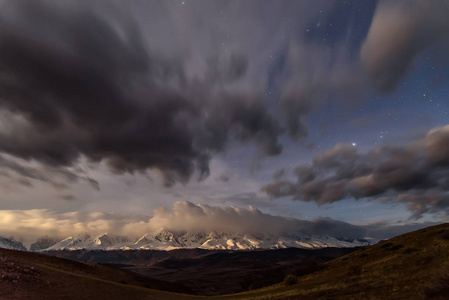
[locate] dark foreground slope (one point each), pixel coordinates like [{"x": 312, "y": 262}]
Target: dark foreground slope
[
  {"x": 411, "y": 266},
  {"x": 26, "y": 275},
  {"x": 213, "y": 272}
]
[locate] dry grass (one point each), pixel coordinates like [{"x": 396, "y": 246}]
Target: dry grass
[
  {"x": 411, "y": 266},
  {"x": 36, "y": 276}
]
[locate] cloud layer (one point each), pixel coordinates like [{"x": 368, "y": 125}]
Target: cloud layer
[
  {"x": 160, "y": 86},
  {"x": 103, "y": 82},
  {"x": 416, "y": 174},
  {"x": 399, "y": 32},
  {"x": 79, "y": 81},
  {"x": 112, "y": 85},
  {"x": 183, "y": 216}
]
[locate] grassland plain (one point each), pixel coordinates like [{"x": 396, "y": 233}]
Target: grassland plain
[{"x": 411, "y": 266}]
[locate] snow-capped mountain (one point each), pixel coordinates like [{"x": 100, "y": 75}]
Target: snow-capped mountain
[
  {"x": 11, "y": 244},
  {"x": 43, "y": 243},
  {"x": 86, "y": 240},
  {"x": 166, "y": 240}
]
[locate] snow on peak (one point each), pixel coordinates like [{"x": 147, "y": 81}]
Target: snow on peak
[
  {"x": 87, "y": 240},
  {"x": 109, "y": 240},
  {"x": 11, "y": 244},
  {"x": 163, "y": 239}
]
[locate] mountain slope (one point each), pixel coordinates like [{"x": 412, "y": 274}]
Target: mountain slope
[
  {"x": 410, "y": 266},
  {"x": 43, "y": 243},
  {"x": 87, "y": 240},
  {"x": 28, "y": 275},
  {"x": 166, "y": 240},
  {"x": 11, "y": 244}
]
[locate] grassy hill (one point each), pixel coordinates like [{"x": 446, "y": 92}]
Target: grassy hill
[
  {"x": 27, "y": 275},
  {"x": 410, "y": 266}
]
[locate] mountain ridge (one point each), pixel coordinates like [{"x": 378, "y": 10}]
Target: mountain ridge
[
  {"x": 163, "y": 239},
  {"x": 10, "y": 243}
]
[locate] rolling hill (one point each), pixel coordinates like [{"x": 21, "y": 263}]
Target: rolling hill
[
  {"x": 27, "y": 275},
  {"x": 410, "y": 266}
]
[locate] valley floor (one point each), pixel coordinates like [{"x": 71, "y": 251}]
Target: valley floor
[{"x": 215, "y": 272}]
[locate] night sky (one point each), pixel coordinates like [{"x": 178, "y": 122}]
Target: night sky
[{"x": 131, "y": 112}]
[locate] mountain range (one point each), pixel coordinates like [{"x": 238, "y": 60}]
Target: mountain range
[
  {"x": 10, "y": 243},
  {"x": 166, "y": 240},
  {"x": 410, "y": 266}
]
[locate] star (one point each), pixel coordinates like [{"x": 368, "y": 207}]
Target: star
[{"x": 354, "y": 144}]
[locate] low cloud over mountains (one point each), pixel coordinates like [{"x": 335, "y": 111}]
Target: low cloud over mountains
[{"x": 181, "y": 217}]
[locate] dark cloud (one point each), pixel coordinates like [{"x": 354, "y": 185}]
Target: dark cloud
[
  {"x": 225, "y": 176},
  {"x": 401, "y": 30},
  {"x": 279, "y": 174},
  {"x": 416, "y": 174},
  {"x": 68, "y": 197},
  {"x": 384, "y": 230},
  {"x": 22, "y": 172},
  {"x": 77, "y": 79},
  {"x": 280, "y": 188},
  {"x": 433, "y": 201}
]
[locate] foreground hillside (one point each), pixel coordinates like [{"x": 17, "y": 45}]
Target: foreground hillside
[
  {"x": 27, "y": 275},
  {"x": 411, "y": 266}
]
